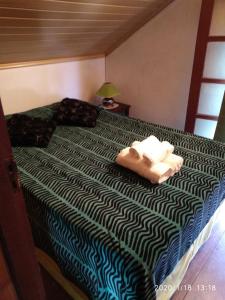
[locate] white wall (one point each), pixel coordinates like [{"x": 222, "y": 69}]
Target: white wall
[
  {"x": 153, "y": 67},
  {"x": 29, "y": 87}
]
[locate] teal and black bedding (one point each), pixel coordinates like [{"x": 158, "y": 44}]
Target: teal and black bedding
[{"x": 111, "y": 231}]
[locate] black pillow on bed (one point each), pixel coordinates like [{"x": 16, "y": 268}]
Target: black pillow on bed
[
  {"x": 76, "y": 112},
  {"x": 28, "y": 131}
]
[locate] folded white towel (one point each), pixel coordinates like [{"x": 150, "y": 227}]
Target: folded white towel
[
  {"x": 169, "y": 147},
  {"x": 135, "y": 143},
  {"x": 158, "y": 152},
  {"x": 157, "y": 173},
  {"x": 151, "y": 149},
  {"x": 174, "y": 161},
  {"x": 155, "y": 155},
  {"x": 137, "y": 149}
]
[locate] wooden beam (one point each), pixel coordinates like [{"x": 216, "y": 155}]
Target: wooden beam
[
  {"x": 213, "y": 80},
  {"x": 218, "y": 38},
  {"x": 49, "y": 61},
  {"x": 206, "y": 117}
]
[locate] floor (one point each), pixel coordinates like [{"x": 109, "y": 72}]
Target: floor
[{"x": 204, "y": 280}]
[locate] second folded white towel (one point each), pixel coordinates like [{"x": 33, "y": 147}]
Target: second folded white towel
[
  {"x": 158, "y": 173},
  {"x": 151, "y": 159},
  {"x": 151, "y": 149}
]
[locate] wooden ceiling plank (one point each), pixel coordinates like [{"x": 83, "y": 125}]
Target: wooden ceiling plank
[
  {"x": 35, "y": 14},
  {"x": 54, "y": 30},
  {"x": 53, "y": 44},
  {"x": 32, "y": 46},
  {"x": 49, "y": 31},
  {"x": 69, "y": 7},
  {"x": 119, "y": 3},
  {"x": 44, "y": 29},
  {"x": 54, "y": 23},
  {"x": 48, "y": 34},
  {"x": 49, "y": 38}
]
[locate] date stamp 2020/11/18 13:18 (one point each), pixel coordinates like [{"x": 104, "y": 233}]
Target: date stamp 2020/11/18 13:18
[{"x": 188, "y": 287}]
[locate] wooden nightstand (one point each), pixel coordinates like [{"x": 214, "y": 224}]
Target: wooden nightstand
[{"x": 121, "y": 108}]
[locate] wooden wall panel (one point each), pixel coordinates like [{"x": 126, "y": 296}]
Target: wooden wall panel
[{"x": 45, "y": 29}]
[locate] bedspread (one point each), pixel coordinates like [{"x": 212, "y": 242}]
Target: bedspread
[{"x": 111, "y": 231}]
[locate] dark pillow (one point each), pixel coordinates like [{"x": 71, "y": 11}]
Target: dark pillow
[
  {"x": 28, "y": 131},
  {"x": 76, "y": 112}
]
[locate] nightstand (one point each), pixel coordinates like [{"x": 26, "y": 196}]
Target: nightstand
[{"x": 121, "y": 108}]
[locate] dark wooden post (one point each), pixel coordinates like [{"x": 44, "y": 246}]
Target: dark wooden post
[
  {"x": 14, "y": 226},
  {"x": 199, "y": 62}
]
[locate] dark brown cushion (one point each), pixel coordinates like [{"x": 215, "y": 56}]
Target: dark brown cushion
[
  {"x": 27, "y": 131},
  {"x": 76, "y": 112}
]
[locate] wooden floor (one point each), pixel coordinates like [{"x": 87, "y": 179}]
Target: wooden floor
[{"x": 204, "y": 280}]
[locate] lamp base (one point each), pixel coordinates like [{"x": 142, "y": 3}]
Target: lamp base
[{"x": 107, "y": 102}]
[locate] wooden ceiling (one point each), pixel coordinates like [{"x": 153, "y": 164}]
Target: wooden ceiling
[{"x": 34, "y": 30}]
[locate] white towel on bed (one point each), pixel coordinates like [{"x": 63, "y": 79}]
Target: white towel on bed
[
  {"x": 174, "y": 161},
  {"x": 157, "y": 173},
  {"x": 137, "y": 149},
  {"x": 151, "y": 149},
  {"x": 169, "y": 147}
]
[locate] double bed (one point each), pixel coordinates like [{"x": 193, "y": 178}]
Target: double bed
[{"x": 112, "y": 232}]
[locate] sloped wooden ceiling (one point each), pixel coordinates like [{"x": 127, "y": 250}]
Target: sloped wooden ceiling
[{"x": 33, "y": 30}]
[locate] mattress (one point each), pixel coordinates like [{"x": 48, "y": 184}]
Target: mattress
[{"x": 112, "y": 232}]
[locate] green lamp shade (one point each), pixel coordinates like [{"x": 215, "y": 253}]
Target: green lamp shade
[{"x": 107, "y": 90}]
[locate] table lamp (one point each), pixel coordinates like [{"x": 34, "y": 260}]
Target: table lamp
[{"x": 108, "y": 91}]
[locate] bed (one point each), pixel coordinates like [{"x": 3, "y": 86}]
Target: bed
[{"x": 110, "y": 231}]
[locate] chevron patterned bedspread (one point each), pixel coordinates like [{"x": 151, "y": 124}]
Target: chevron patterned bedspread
[{"x": 111, "y": 231}]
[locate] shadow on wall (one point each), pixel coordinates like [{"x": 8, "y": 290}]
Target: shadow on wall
[
  {"x": 29, "y": 87},
  {"x": 91, "y": 77},
  {"x": 19, "y": 100}
]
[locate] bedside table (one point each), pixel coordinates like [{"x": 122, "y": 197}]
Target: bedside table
[{"x": 121, "y": 108}]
